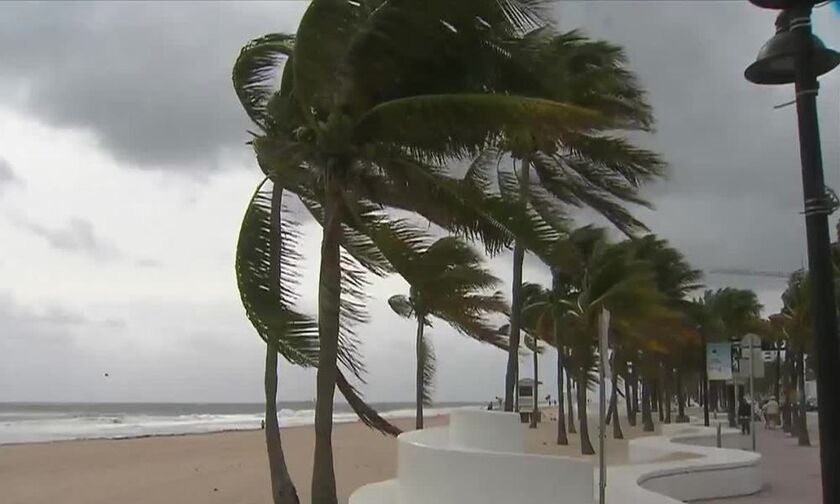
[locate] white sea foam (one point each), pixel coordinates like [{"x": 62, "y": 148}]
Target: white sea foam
[{"x": 37, "y": 426}]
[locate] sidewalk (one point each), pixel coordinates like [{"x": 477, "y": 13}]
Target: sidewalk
[{"x": 791, "y": 472}]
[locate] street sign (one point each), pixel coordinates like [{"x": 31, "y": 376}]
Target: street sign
[
  {"x": 757, "y": 356},
  {"x": 719, "y": 361}
]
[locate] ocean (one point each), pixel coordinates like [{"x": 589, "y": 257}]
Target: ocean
[{"x": 39, "y": 422}]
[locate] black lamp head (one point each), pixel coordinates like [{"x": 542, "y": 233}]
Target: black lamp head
[
  {"x": 784, "y": 4},
  {"x": 775, "y": 63}
]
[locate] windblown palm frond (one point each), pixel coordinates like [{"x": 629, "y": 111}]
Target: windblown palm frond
[
  {"x": 255, "y": 73},
  {"x": 268, "y": 301},
  {"x": 269, "y": 304},
  {"x": 463, "y": 125}
]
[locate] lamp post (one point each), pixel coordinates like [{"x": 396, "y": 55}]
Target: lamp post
[{"x": 796, "y": 56}]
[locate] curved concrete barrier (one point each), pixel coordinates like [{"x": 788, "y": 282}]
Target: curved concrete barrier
[
  {"x": 471, "y": 462},
  {"x": 707, "y": 473}
]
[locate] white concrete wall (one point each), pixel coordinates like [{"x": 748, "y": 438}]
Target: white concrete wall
[
  {"x": 471, "y": 461},
  {"x": 495, "y": 431},
  {"x": 478, "y": 459},
  {"x": 709, "y": 473}
]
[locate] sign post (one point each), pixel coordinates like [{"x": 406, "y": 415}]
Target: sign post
[
  {"x": 752, "y": 342},
  {"x": 603, "y": 350}
]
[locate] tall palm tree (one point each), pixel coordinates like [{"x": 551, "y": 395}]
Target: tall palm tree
[
  {"x": 675, "y": 279},
  {"x": 542, "y": 315},
  {"x": 797, "y": 324},
  {"x": 597, "y": 167},
  {"x": 605, "y": 276},
  {"x": 729, "y": 314},
  {"x": 371, "y": 110},
  {"x": 447, "y": 282}
]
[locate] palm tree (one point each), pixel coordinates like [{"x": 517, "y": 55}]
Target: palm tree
[
  {"x": 542, "y": 315},
  {"x": 596, "y": 168},
  {"x": 675, "y": 279},
  {"x": 447, "y": 282},
  {"x": 729, "y": 314},
  {"x": 370, "y": 112},
  {"x": 605, "y": 276},
  {"x": 796, "y": 322}
]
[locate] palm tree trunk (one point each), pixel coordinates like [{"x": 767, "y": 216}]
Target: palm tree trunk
[
  {"x": 329, "y": 298},
  {"x": 681, "y": 416},
  {"x": 421, "y": 320},
  {"x": 647, "y": 417},
  {"x": 282, "y": 488},
  {"x": 562, "y": 436},
  {"x": 512, "y": 374},
  {"x": 730, "y": 405},
  {"x": 778, "y": 382},
  {"x": 787, "y": 416},
  {"x": 536, "y": 410},
  {"x": 704, "y": 384},
  {"x": 570, "y": 401},
  {"x": 804, "y": 438},
  {"x": 634, "y": 382},
  {"x": 616, "y": 424},
  {"x": 628, "y": 398},
  {"x": 585, "y": 443},
  {"x": 666, "y": 393}
]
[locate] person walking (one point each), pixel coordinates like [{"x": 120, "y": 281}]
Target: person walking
[
  {"x": 771, "y": 414},
  {"x": 744, "y": 415}
]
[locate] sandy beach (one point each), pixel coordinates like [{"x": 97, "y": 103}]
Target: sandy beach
[{"x": 220, "y": 468}]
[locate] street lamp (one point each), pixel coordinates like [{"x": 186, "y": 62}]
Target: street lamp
[{"x": 796, "y": 56}]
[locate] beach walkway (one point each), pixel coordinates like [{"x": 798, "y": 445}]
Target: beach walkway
[{"x": 791, "y": 472}]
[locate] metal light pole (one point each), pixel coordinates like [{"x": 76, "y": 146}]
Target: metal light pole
[{"x": 795, "y": 55}]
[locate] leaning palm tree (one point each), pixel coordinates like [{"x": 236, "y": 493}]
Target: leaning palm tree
[
  {"x": 797, "y": 324},
  {"x": 542, "y": 316},
  {"x": 594, "y": 167},
  {"x": 729, "y": 314},
  {"x": 605, "y": 276},
  {"x": 377, "y": 101},
  {"x": 447, "y": 282}
]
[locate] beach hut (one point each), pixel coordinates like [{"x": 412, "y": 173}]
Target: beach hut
[{"x": 525, "y": 390}]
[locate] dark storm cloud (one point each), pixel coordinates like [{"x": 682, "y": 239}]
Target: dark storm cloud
[
  {"x": 734, "y": 193},
  {"x": 151, "y": 80},
  {"x": 77, "y": 236}
]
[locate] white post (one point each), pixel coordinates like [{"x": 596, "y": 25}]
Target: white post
[{"x": 603, "y": 341}]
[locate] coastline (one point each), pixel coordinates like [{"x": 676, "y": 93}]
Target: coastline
[{"x": 222, "y": 467}]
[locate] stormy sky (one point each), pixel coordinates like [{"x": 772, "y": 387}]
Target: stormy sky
[{"x": 124, "y": 174}]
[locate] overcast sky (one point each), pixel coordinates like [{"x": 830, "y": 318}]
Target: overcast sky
[{"x": 124, "y": 174}]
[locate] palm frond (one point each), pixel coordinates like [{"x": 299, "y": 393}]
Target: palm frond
[
  {"x": 462, "y": 125},
  {"x": 268, "y": 300},
  {"x": 368, "y": 415},
  {"x": 255, "y": 73},
  {"x": 324, "y": 34}
]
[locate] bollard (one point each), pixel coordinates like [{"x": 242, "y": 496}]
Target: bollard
[{"x": 717, "y": 437}]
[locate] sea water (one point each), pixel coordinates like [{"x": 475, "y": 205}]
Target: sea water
[{"x": 38, "y": 422}]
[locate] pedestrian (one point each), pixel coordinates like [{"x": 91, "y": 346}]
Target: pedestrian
[
  {"x": 744, "y": 415},
  {"x": 771, "y": 414}
]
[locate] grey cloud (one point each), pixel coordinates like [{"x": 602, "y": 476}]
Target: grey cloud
[
  {"x": 147, "y": 262},
  {"x": 7, "y": 175},
  {"x": 151, "y": 80},
  {"x": 77, "y": 236},
  {"x": 734, "y": 197}
]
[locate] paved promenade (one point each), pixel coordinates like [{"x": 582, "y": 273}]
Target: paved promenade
[{"x": 791, "y": 472}]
